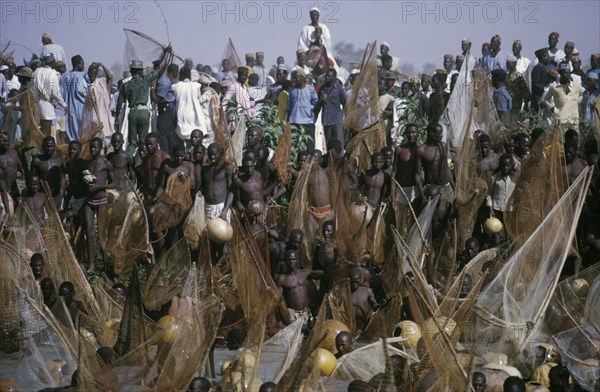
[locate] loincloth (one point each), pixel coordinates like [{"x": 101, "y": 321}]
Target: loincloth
[
  {"x": 321, "y": 212},
  {"x": 96, "y": 202},
  {"x": 214, "y": 211},
  {"x": 409, "y": 195}
]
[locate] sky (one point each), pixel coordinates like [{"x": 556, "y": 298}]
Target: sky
[{"x": 419, "y": 32}]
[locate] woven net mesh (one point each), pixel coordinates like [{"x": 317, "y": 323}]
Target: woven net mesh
[{"x": 361, "y": 110}]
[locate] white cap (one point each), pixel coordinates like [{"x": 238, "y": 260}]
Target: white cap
[
  {"x": 314, "y": 8},
  {"x": 355, "y": 71}
]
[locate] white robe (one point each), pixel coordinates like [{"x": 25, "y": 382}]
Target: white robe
[{"x": 190, "y": 115}]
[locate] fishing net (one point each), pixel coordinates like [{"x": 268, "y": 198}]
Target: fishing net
[
  {"x": 439, "y": 334},
  {"x": 567, "y": 306},
  {"x": 302, "y": 366},
  {"x": 369, "y": 140},
  {"x": 62, "y": 260},
  {"x": 361, "y": 109},
  {"x": 340, "y": 303},
  {"x": 298, "y": 210},
  {"x": 18, "y": 268},
  {"x": 195, "y": 223},
  {"x": 24, "y": 234},
  {"x": 282, "y": 155},
  {"x": 592, "y": 313},
  {"x": 132, "y": 332},
  {"x": 579, "y": 349},
  {"x": 185, "y": 357},
  {"x": 455, "y": 116},
  {"x": 471, "y": 186},
  {"x": 167, "y": 276},
  {"x": 139, "y": 46},
  {"x": 111, "y": 307},
  {"x": 235, "y": 147},
  {"x": 231, "y": 54},
  {"x": 485, "y": 116},
  {"x": 172, "y": 205},
  {"x": 30, "y": 118},
  {"x": 384, "y": 319},
  {"x": 280, "y": 350},
  {"x": 537, "y": 190},
  {"x": 516, "y": 299},
  {"x": 365, "y": 362},
  {"x": 32, "y": 350},
  {"x": 128, "y": 234},
  {"x": 254, "y": 286}
]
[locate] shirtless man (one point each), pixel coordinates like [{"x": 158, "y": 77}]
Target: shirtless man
[
  {"x": 122, "y": 162},
  {"x": 48, "y": 166},
  {"x": 198, "y": 155},
  {"x": 95, "y": 198},
  {"x": 217, "y": 179},
  {"x": 363, "y": 298},
  {"x": 33, "y": 198},
  {"x": 405, "y": 165},
  {"x": 374, "y": 183},
  {"x": 248, "y": 185},
  {"x": 388, "y": 160},
  {"x": 254, "y": 138},
  {"x": 67, "y": 291},
  {"x": 432, "y": 159},
  {"x": 343, "y": 344},
  {"x": 196, "y": 138},
  {"x": 151, "y": 164},
  {"x": 217, "y": 189},
  {"x": 522, "y": 146},
  {"x": 9, "y": 166},
  {"x": 177, "y": 164},
  {"x": 325, "y": 258},
  {"x": 489, "y": 160},
  {"x": 293, "y": 285},
  {"x": 74, "y": 194},
  {"x": 575, "y": 165}
]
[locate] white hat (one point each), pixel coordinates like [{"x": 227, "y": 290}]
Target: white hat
[
  {"x": 3, "y": 68},
  {"x": 355, "y": 71},
  {"x": 386, "y": 44},
  {"x": 314, "y": 8}
]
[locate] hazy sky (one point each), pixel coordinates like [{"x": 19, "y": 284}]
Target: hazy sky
[{"x": 418, "y": 32}]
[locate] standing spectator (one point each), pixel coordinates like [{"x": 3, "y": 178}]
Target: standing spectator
[
  {"x": 539, "y": 78},
  {"x": 46, "y": 86},
  {"x": 51, "y": 48},
  {"x": 75, "y": 86},
  {"x": 260, "y": 69},
  {"x": 190, "y": 115},
  {"x": 502, "y": 99},
  {"x": 167, "y": 110},
  {"x": 517, "y": 87},
  {"x": 563, "y": 98},
  {"x": 301, "y": 105},
  {"x": 332, "y": 100},
  {"x": 225, "y": 72}
]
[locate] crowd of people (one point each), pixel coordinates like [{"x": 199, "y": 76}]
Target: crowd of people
[{"x": 164, "y": 133}]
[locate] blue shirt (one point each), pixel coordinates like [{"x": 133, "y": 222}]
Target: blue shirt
[
  {"x": 333, "y": 106},
  {"x": 502, "y": 99},
  {"x": 164, "y": 89},
  {"x": 301, "y": 105},
  {"x": 229, "y": 74}
]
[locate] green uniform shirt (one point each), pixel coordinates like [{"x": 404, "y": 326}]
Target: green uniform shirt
[{"x": 137, "y": 90}]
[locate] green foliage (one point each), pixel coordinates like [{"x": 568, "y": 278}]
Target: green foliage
[
  {"x": 410, "y": 116},
  {"x": 272, "y": 130},
  {"x": 532, "y": 120}
]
